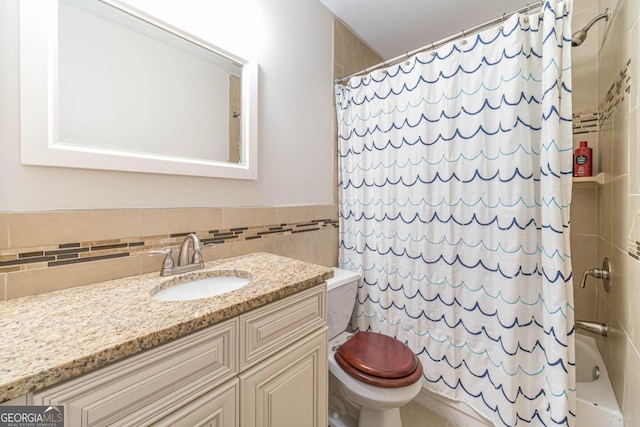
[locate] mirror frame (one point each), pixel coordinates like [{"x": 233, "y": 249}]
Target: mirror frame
[{"x": 39, "y": 141}]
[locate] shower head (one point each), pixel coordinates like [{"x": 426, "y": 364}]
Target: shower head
[{"x": 579, "y": 36}]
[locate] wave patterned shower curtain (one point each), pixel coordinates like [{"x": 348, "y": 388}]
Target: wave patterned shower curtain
[{"x": 455, "y": 185}]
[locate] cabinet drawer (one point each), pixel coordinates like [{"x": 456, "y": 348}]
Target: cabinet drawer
[
  {"x": 218, "y": 407},
  {"x": 268, "y": 329},
  {"x": 205, "y": 358}
]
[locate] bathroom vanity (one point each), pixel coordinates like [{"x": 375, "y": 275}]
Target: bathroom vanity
[{"x": 252, "y": 357}]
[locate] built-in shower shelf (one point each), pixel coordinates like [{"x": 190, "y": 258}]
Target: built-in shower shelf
[{"x": 597, "y": 179}]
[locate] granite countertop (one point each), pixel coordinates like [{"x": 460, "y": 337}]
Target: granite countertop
[{"x": 52, "y": 337}]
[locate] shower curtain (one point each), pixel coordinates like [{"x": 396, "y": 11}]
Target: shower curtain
[{"x": 455, "y": 184}]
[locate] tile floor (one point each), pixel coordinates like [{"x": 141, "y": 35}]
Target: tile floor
[{"x": 415, "y": 415}]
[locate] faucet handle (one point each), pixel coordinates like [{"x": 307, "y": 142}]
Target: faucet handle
[
  {"x": 197, "y": 252},
  {"x": 163, "y": 251},
  {"x": 168, "y": 259},
  {"x": 603, "y": 273}
]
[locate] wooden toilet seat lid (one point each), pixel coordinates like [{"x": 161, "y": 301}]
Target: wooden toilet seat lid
[{"x": 379, "y": 360}]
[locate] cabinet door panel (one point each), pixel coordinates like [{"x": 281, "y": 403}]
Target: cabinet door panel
[
  {"x": 288, "y": 389},
  {"x": 268, "y": 329}
]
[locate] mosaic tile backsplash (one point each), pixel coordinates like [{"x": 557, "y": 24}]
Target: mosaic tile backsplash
[
  {"x": 585, "y": 122},
  {"x": 12, "y": 260},
  {"x": 589, "y": 121},
  {"x": 620, "y": 89}
]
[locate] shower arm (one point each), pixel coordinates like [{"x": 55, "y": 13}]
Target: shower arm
[{"x": 591, "y": 23}]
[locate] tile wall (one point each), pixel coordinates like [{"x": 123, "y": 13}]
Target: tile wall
[
  {"x": 618, "y": 201},
  {"x": 602, "y": 217},
  {"x": 350, "y": 55},
  {"x": 47, "y": 251},
  {"x": 605, "y": 219},
  {"x": 584, "y": 230}
]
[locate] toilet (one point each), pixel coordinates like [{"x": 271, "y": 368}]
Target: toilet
[{"x": 370, "y": 375}]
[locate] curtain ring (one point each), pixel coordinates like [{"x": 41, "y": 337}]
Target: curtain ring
[
  {"x": 463, "y": 38},
  {"x": 433, "y": 51},
  {"x": 503, "y": 15},
  {"x": 526, "y": 18}
]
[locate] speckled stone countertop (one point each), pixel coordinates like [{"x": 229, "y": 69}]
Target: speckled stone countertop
[{"x": 52, "y": 337}]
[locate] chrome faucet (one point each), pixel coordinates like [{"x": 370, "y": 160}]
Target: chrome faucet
[
  {"x": 595, "y": 327},
  {"x": 183, "y": 258},
  {"x": 603, "y": 273},
  {"x": 184, "y": 265}
]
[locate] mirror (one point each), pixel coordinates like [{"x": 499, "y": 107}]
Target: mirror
[{"x": 105, "y": 86}]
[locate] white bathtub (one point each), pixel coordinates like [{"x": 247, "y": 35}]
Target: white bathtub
[{"x": 595, "y": 402}]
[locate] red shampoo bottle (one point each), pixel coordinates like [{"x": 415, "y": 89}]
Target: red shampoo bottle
[{"x": 582, "y": 159}]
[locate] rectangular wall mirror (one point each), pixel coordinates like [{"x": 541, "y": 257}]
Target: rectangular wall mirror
[{"x": 106, "y": 86}]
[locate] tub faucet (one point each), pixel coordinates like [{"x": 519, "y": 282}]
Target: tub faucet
[
  {"x": 603, "y": 273},
  {"x": 184, "y": 265},
  {"x": 598, "y": 273},
  {"x": 595, "y": 327}
]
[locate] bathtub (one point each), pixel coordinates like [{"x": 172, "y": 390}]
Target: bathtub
[{"x": 595, "y": 402}]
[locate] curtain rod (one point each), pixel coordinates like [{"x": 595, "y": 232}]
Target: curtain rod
[{"x": 439, "y": 43}]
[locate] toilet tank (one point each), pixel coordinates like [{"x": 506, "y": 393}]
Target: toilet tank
[{"x": 341, "y": 297}]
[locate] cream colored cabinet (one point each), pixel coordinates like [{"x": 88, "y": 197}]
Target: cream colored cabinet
[
  {"x": 147, "y": 388},
  {"x": 266, "y": 367},
  {"x": 284, "y": 383},
  {"x": 289, "y": 389}
]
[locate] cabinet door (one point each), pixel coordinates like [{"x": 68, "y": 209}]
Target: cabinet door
[{"x": 289, "y": 389}]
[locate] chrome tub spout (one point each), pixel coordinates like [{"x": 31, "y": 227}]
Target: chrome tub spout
[{"x": 595, "y": 327}]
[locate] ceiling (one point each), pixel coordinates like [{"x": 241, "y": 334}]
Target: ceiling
[{"x": 394, "y": 27}]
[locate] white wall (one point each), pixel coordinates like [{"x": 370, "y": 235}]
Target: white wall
[{"x": 292, "y": 40}]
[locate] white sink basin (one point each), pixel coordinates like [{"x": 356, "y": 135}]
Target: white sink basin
[{"x": 200, "y": 288}]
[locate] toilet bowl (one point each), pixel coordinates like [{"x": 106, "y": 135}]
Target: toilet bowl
[{"x": 373, "y": 382}]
